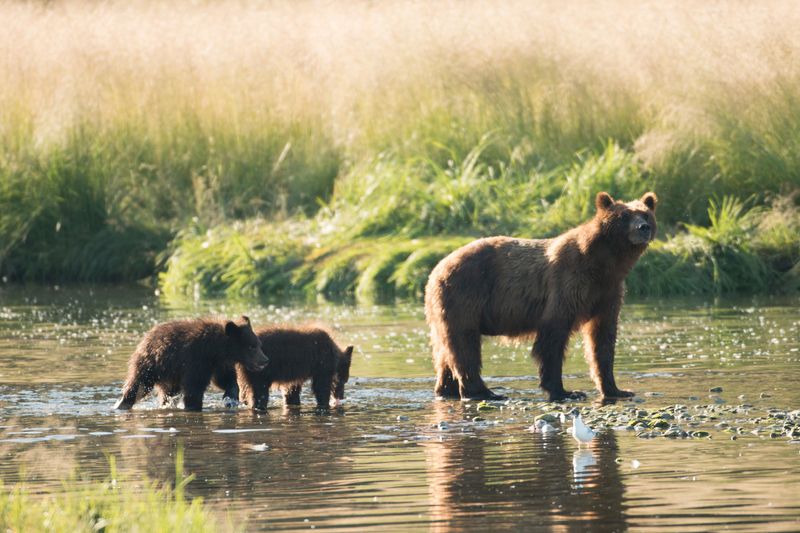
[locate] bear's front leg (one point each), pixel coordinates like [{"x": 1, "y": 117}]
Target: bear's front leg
[
  {"x": 548, "y": 351},
  {"x": 257, "y": 394},
  {"x": 321, "y": 386},
  {"x": 253, "y": 389},
  {"x": 193, "y": 401},
  {"x": 599, "y": 339},
  {"x": 291, "y": 395},
  {"x": 195, "y": 383}
]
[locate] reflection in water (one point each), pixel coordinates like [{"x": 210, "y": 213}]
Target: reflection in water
[
  {"x": 582, "y": 462},
  {"x": 384, "y": 461},
  {"x": 308, "y": 452},
  {"x": 477, "y": 485}
]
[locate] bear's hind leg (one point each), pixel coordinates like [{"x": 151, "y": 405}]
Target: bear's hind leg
[
  {"x": 465, "y": 363},
  {"x": 136, "y": 388},
  {"x": 225, "y": 379},
  {"x": 446, "y": 384},
  {"x": 167, "y": 395}
]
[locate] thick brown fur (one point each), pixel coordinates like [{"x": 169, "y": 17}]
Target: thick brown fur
[
  {"x": 543, "y": 287},
  {"x": 181, "y": 356},
  {"x": 296, "y": 355}
]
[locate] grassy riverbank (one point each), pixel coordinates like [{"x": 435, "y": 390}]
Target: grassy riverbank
[
  {"x": 743, "y": 251},
  {"x": 114, "y": 505},
  {"x": 250, "y": 147}
]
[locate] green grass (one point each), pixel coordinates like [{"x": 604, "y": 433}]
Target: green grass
[
  {"x": 253, "y": 257},
  {"x": 743, "y": 250},
  {"x": 103, "y": 206},
  {"x": 114, "y": 505},
  {"x": 755, "y": 250}
]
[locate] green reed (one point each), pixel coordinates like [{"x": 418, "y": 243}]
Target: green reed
[{"x": 117, "y": 504}]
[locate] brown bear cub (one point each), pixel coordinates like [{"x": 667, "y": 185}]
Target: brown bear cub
[
  {"x": 182, "y": 355},
  {"x": 546, "y": 287},
  {"x": 296, "y": 354}
]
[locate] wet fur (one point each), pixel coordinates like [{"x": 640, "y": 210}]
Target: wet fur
[
  {"x": 549, "y": 288},
  {"x": 296, "y": 355},
  {"x": 181, "y": 356}
]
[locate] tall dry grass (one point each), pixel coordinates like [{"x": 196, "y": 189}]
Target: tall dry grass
[{"x": 119, "y": 122}]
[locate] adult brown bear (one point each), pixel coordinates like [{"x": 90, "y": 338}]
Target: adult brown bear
[{"x": 546, "y": 287}]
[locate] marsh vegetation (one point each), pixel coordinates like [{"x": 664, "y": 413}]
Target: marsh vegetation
[
  {"x": 248, "y": 147},
  {"x": 116, "y": 504}
]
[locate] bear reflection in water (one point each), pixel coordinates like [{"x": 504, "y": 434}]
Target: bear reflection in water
[{"x": 531, "y": 482}]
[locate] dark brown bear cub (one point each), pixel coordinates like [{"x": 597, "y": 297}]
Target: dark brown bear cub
[
  {"x": 182, "y": 355},
  {"x": 546, "y": 287},
  {"x": 296, "y": 354}
]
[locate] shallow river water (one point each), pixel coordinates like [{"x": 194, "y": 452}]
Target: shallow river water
[{"x": 393, "y": 458}]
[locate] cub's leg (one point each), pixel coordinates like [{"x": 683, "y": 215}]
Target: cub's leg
[
  {"x": 291, "y": 395},
  {"x": 195, "y": 384},
  {"x": 321, "y": 385},
  {"x": 167, "y": 394},
  {"x": 225, "y": 379},
  {"x": 137, "y": 386},
  {"x": 255, "y": 393}
]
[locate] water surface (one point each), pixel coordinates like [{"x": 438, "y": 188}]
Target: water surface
[{"x": 393, "y": 458}]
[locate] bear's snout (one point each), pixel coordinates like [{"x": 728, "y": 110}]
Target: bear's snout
[
  {"x": 641, "y": 231},
  {"x": 259, "y": 361}
]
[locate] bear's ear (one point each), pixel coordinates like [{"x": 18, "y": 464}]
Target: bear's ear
[
  {"x": 603, "y": 201},
  {"x": 345, "y": 359},
  {"x": 245, "y": 319},
  {"x": 650, "y": 200},
  {"x": 231, "y": 329}
]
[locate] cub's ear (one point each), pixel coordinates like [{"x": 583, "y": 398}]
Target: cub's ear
[
  {"x": 603, "y": 201},
  {"x": 345, "y": 360},
  {"x": 650, "y": 200},
  {"x": 231, "y": 329},
  {"x": 245, "y": 319}
]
